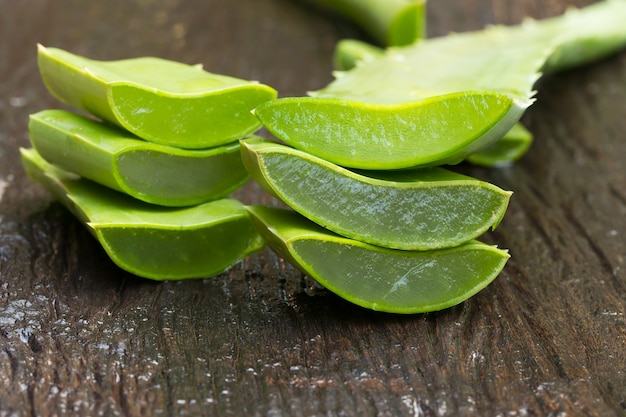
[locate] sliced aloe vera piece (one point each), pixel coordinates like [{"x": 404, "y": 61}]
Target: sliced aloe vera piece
[
  {"x": 152, "y": 241},
  {"x": 441, "y": 99},
  {"x": 355, "y": 134},
  {"x": 389, "y": 22},
  {"x": 377, "y": 278},
  {"x": 513, "y": 145},
  {"x": 413, "y": 209},
  {"x": 158, "y": 100},
  {"x": 150, "y": 172},
  {"x": 507, "y": 150}
]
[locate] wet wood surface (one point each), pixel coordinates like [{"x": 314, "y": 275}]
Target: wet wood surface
[{"x": 78, "y": 336}]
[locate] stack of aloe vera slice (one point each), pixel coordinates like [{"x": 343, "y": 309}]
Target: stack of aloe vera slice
[
  {"x": 373, "y": 217},
  {"x": 404, "y": 241},
  {"x": 149, "y": 174},
  {"x": 401, "y": 242}
]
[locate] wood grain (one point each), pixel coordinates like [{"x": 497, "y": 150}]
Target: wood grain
[{"x": 80, "y": 337}]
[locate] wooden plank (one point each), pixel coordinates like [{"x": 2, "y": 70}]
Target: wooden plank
[{"x": 78, "y": 336}]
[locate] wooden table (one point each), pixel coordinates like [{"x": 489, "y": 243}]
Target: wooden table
[{"x": 78, "y": 336}]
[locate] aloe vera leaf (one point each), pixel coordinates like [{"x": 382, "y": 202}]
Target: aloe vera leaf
[
  {"x": 441, "y": 99},
  {"x": 150, "y": 172},
  {"x": 381, "y": 279},
  {"x": 513, "y": 145},
  {"x": 411, "y": 210},
  {"x": 389, "y": 22},
  {"x": 507, "y": 150},
  {"x": 158, "y": 100},
  {"x": 160, "y": 243}
]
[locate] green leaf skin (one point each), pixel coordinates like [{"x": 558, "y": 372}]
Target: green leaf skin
[
  {"x": 349, "y": 52},
  {"x": 149, "y": 172},
  {"x": 160, "y": 243},
  {"x": 412, "y": 210},
  {"x": 381, "y": 279},
  {"x": 158, "y": 100},
  {"x": 441, "y": 99},
  {"x": 506, "y": 151},
  {"x": 389, "y": 22}
]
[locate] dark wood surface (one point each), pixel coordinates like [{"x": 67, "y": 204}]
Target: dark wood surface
[{"x": 78, "y": 336}]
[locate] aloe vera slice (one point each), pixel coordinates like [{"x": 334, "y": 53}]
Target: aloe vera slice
[
  {"x": 389, "y": 22},
  {"x": 513, "y": 145},
  {"x": 158, "y": 100},
  {"x": 355, "y": 134},
  {"x": 150, "y": 172},
  {"x": 413, "y": 210},
  {"x": 441, "y": 99},
  {"x": 507, "y": 150},
  {"x": 381, "y": 279},
  {"x": 150, "y": 241}
]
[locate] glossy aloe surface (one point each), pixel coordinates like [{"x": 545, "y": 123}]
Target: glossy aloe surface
[
  {"x": 511, "y": 147},
  {"x": 413, "y": 209},
  {"x": 153, "y": 173},
  {"x": 441, "y": 99},
  {"x": 388, "y": 280},
  {"x": 158, "y": 100},
  {"x": 354, "y": 134},
  {"x": 389, "y": 22},
  {"x": 150, "y": 241}
]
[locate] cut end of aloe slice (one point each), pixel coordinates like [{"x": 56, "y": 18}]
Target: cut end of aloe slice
[
  {"x": 413, "y": 210},
  {"x": 158, "y": 100},
  {"x": 380, "y": 279},
  {"x": 171, "y": 253},
  {"x": 208, "y": 120},
  {"x": 149, "y": 172},
  {"x": 178, "y": 179},
  {"x": 439, "y": 130},
  {"x": 160, "y": 243}
]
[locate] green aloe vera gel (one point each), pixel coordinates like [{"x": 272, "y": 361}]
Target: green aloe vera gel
[
  {"x": 511, "y": 147},
  {"x": 412, "y": 210},
  {"x": 377, "y": 278},
  {"x": 161, "y": 101},
  {"x": 152, "y": 241},
  {"x": 150, "y": 172}
]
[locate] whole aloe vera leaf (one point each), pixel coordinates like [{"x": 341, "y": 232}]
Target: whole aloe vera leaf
[
  {"x": 160, "y": 243},
  {"x": 150, "y": 172},
  {"x": 507, "y": 150},
  {"x": 412, "y": 210},
  {"x": 158, "y": 100},
  {"x": 389, "y": 22},
  {"x": 441, "y": 99},
  {"x": 381, "y": 279}
]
